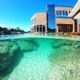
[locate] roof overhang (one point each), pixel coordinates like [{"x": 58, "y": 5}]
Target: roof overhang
[{"x": 75, "y": 13}]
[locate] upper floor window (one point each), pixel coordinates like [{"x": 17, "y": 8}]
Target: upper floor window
[
  {"x": 62, "y": 13},
  {"x": 66, "y": 13},
  {"x": 58, "y": 13}
]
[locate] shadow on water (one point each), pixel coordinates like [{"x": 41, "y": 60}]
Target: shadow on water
[{"x": 11, "y": 53}]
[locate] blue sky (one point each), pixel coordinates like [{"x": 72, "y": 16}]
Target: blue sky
[{"x": 17, "y": 13}]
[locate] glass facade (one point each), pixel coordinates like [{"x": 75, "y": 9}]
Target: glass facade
[{"x": 51, "y": 16}]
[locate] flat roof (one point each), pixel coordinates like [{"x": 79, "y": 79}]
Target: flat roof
[{"x": 63, "y": 6}]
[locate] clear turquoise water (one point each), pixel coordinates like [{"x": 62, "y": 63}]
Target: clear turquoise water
[
  {"x": 45, "y": 59},
  {"x": 34, "y": 65}
]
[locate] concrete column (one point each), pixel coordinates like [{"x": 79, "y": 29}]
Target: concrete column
[
  {"x": 42, "y": 29},
  {"x": 39, "y": 28},
  {"x": 45, "y": 28},
  {"x": 57, "y": 29},
  {"x": 36, "y": 29},
  {"x": 73, "y": 26}
]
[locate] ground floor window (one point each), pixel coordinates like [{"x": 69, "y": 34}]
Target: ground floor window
[{"x": 41, "y": 28}]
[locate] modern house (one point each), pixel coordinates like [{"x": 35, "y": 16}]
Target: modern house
[
  {"x": 75, "y": 14},
  {"x": 54, "y": 19}
]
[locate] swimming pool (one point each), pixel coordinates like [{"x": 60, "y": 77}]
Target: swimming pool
[{"x": 39, "y": 58}]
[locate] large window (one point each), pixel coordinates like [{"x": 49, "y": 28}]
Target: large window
[
  {"x": 40, "y": 28},
  {"x": 62, "y": 14},
  {"x": 58, "y": 13},
  {"x": 43, "y": 28},
  {"x": 66, "y": 13}
]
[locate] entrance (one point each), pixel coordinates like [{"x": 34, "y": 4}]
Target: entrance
[{"x": 65, "y": 27}]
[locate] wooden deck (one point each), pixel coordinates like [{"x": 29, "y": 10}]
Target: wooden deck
[{"x": 74, "y": 33}]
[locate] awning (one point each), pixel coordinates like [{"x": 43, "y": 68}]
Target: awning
[
  {"x": 77, "y": 16},
  {"x": 75, "y": 13}
]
